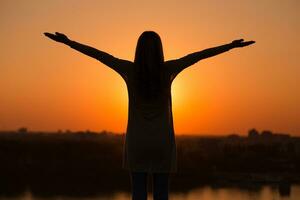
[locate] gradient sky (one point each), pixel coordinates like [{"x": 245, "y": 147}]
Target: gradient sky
[{"x": 48, "y": 86}]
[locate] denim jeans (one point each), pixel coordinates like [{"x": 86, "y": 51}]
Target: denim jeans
[{"x": 160, "y": 185}]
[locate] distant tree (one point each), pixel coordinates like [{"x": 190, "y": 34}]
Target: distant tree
[
  {"x": 68, "y": 131},
  {"x": 253, "y": 133},
  {"x": 233, "y": 136},
  {"x": 23, "y": 130}
]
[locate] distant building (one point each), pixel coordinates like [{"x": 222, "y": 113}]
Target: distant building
[
  {"x": 266, "y": 134},
  {"x": 283, "y": 135}
]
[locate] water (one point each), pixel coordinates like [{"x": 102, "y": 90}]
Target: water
[{"x": 203, "y": 193}]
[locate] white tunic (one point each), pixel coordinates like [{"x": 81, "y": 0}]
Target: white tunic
[{"x": 149, "y": 144}]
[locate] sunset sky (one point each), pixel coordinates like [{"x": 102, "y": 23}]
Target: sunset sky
[{"x": 48, "y": 86}]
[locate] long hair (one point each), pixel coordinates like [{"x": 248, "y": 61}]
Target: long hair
[{"x": 149, "y": 59}]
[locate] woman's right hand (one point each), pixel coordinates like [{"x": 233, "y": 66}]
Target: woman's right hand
[{"x": 58, "y": 37}]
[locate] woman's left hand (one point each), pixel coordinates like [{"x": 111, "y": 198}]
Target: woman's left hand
[{"x": 58, "y": 37}]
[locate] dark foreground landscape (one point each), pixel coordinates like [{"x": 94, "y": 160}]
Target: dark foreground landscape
[{"x": 87, "y": 163}]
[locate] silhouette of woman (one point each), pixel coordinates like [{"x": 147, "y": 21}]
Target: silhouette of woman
[{"x": 149, "y": 145}]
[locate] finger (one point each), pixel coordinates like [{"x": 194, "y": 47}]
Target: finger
[
  {"x": 248, "y": 43},
  {"x": 60, "y": 34},
  {"x": 238, "y": 41},
  {"x": 57, "y": 33},
  {"x": 48, "y": 34},
  {"x": 51, "y": 36}
]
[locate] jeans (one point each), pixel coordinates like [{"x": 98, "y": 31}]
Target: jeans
[{"x": 160, "y": 185}]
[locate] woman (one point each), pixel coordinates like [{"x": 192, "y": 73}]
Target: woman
[{"x": 149, "y": 145}]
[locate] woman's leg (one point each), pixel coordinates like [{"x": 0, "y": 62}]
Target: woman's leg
[
  {"x": 139, "y": 185},
  {"x": 160, "y": 186}
]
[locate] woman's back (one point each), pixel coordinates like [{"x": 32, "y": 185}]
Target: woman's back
[{"x": 150, "y": 141}]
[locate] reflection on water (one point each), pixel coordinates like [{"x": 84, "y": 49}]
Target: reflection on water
[{"x": 203, "y": 193}]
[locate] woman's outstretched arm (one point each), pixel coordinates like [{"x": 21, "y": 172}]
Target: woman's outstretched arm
[
  {"x": 119, "y": 65},
  {"x": 177, "y": 65}
]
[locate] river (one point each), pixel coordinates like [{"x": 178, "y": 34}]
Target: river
[{"x": 202, "y": 193}]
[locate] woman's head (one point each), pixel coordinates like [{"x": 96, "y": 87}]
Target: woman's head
[
  {"x": 149, "y": 48},
  {"x": 149, "y": 59}
]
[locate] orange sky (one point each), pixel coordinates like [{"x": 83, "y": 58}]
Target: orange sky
[{"x": 48, "y": 86}]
